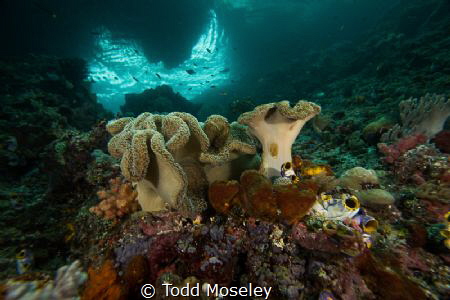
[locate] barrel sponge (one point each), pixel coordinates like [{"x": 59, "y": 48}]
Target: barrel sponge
[{"x": 276, "y": 126}]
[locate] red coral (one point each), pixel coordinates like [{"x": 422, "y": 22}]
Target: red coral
[
  {"x": 442, "y": 141},
  {"x": 314, "y": 240},
  {"x": 394, "y": 151},
  {"x": 162, "y": 254},
  {"x": 162, "y": 222},
  {"x": 378, "y": 277}
]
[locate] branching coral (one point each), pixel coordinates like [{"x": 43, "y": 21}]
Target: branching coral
[
  {"x": 426, "y": 116},
  {"x": 276, "y": 125},
  {"x": 117, "y": 201}
]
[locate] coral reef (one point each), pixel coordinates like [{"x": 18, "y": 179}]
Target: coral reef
[
  {"x": 442, "y": 141},
  {"x": 394, "y": 151},
  {"x": 374, "y": 130},
  {"x": 41, "y": 97},
  {"x": 365, "y": 184},
  {"x": 375, "y": 274}
]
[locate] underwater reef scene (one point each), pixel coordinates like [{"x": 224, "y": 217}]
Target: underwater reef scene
[{"x": 181, "y": 149}]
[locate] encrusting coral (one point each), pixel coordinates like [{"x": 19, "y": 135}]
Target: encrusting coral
[
  {"x": 104, "y": 283},
  {"x": 365, "y": 185},
  {"x": 119, "y": 200},
  {"x": 276, "y": 126}
]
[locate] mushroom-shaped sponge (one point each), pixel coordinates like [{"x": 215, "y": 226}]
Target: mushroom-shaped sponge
[{"x": 276, "y": 126}]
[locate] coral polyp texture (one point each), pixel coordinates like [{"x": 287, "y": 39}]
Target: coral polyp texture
[{"x": 276, "y": 126}]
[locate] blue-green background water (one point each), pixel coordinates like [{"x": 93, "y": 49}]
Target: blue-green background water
[{"x": 126, "y": 43}]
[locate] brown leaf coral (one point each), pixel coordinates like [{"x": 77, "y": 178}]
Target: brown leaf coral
[
  {"x": 259, "y": 198},
  {"x": 276, "y": 126}
]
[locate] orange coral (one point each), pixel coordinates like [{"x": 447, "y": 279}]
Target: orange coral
[
  {"x": 119, "y": 200},
  {"x": 293, "y": 203},
  {"x": 104, "y": 284},
  {"x": 223, "y": 195},
  {"x": 257, "y": 196}
]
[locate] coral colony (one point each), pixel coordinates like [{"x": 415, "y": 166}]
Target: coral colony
[{"x": 343, "y": 196}]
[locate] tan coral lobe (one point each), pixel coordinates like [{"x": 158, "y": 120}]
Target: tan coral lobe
[{"x": 160, "y": 153}]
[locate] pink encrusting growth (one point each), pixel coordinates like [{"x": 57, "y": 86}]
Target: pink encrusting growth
[{"x": 394, "y": 151}]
